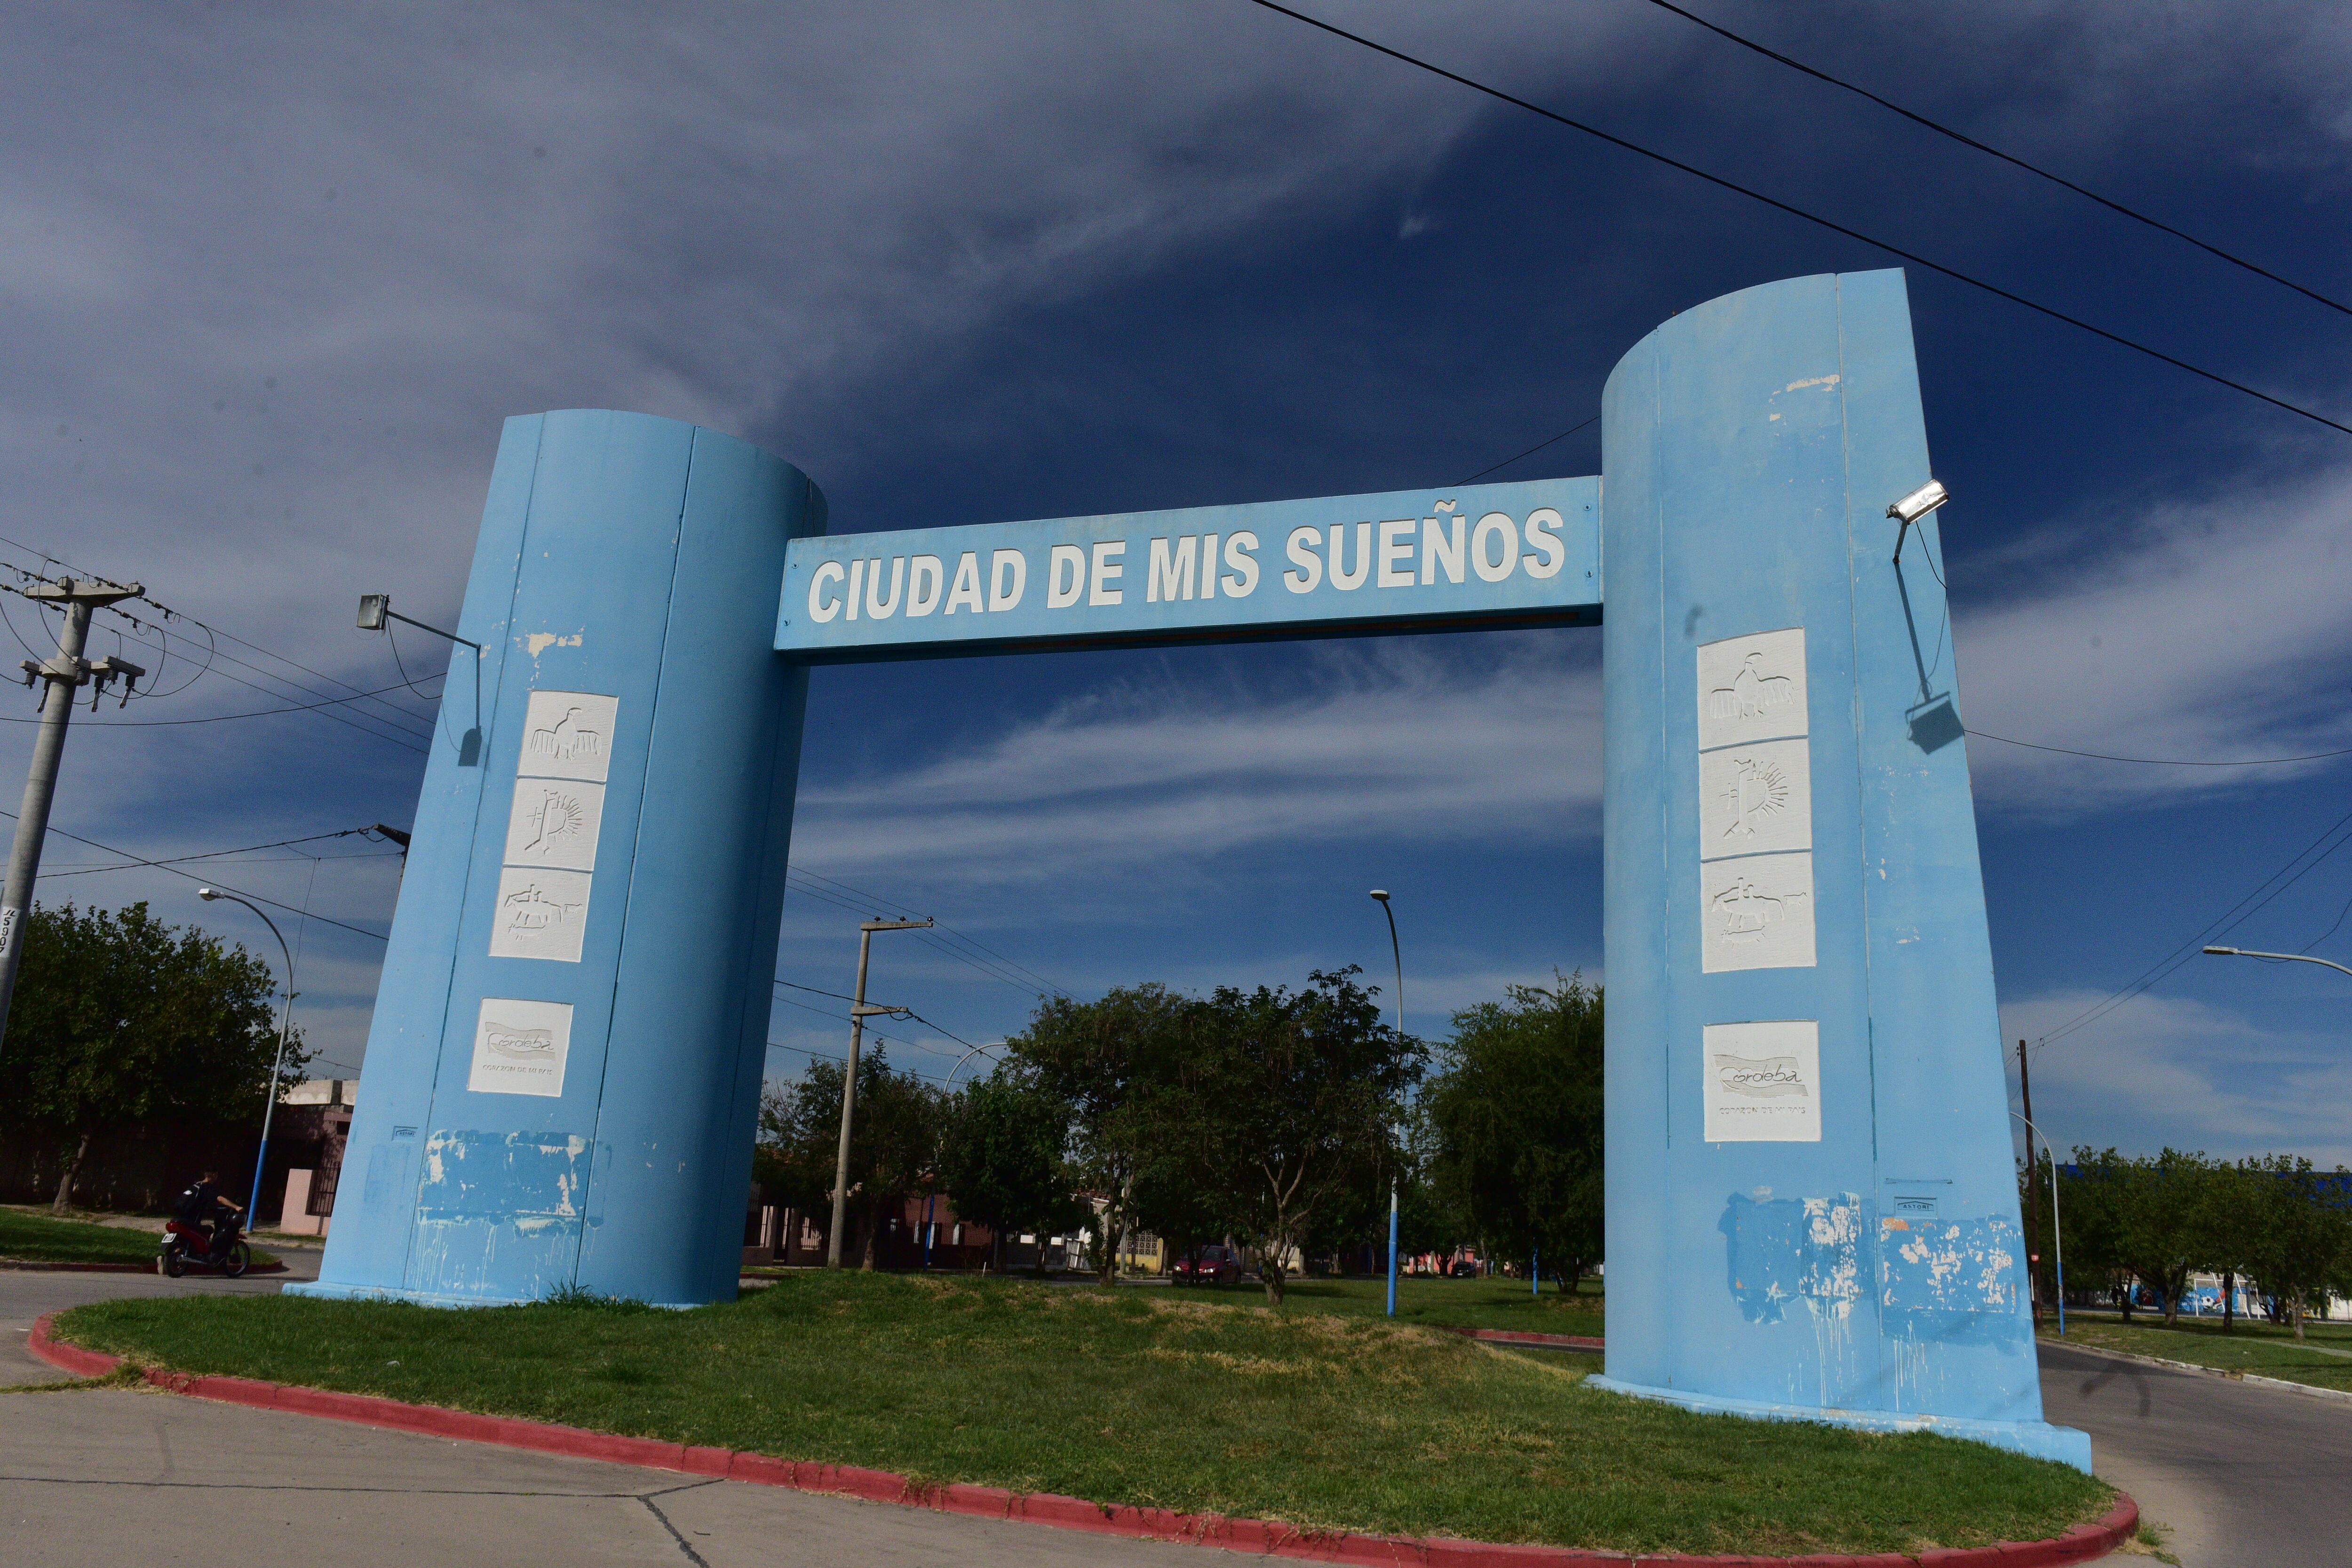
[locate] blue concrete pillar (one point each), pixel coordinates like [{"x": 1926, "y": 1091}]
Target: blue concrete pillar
[
  {"x": 1813, "y": 1211},
  {"x": 565, "y": 1065}
]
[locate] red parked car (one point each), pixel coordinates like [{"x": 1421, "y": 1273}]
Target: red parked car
[{"x": 1206, "y": 1265}]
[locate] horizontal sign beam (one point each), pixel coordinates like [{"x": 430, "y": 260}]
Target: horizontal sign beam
[{"x": 1475, "y": 556}]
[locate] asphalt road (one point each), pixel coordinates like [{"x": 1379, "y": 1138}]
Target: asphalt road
[{"x": 2245, "y": 1475}]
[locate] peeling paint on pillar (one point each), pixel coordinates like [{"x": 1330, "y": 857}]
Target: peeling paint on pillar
[
  {"x": 1751, "y": 447},
  {"x": 591, "y": 1125}
]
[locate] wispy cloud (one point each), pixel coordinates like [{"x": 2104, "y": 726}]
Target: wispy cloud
[
  {"x": 2208, "y": 630},
  {"x": 2172, "y": 1071},
  {"x": 1388, "y": 743}
]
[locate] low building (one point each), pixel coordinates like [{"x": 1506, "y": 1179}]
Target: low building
[{"x": 307, "y": 1137}]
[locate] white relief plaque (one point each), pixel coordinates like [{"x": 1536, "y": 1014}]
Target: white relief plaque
[
  {"x": 519, "y": 1047},
  {"x": 1751, "y": 688},
  {"x": 1757, "y": 912},
  {"x": 1755, "y": 805},
  {"x": 554, "y": 822},
  {"x": 541, "y": 913},
  {"x": 1762, "y": 1082},
  {"x": 561, "y": 766},
  {"x": 568, "y": 735},
  {"x": 1753, "y": 800}
]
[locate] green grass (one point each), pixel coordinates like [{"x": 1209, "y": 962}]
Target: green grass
[
  {"x": 1434, "y": 1303},
  {"x": 1151, "y": 1397},
  {"x": 40, "y": 1240},
  {"x": 2256, "y": 1346},
  {"x": 37, "y": 1238}
]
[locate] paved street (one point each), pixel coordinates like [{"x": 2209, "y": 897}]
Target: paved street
[
  {"x": 2244, "y": 1474},
  {"x": 109, "y": 1476}
]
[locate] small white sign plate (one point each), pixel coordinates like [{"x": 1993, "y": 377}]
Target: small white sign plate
[
  {"x": 568, "y": 735},
  {"x": 554, "y": 822},
  {"x": 1754, "y": 799},
  {"x": 519, "y": 1047},
  {"x": 1757, "y": 912},
  {"x": 1751, "y": 688},
  {"x": 541, "y": 914},
  {"x": 1763, "y": 1082}
]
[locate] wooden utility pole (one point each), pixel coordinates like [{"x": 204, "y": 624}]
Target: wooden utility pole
[
  {"x": 61, "y": 677},
  {"x": 858, "y": 1013},
  {"x": 2033, "y": 1191}
]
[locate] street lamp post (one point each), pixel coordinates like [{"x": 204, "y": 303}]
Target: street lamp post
[
  {"x": 285, "y": 1026},
  {"x": 1397, "y": 953},
  {"x": 2057, "y": 1232},
  {"x": 2289, "y": 957},
  {"x": 931, "y": 1195}
]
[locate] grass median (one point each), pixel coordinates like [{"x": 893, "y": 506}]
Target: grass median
[
  {"x": 1494, "y": 1303},
  {"x": 2267, "y": 1350},
  {"x": 1148, "y": 1397},
  {"x": 38, "y": 1238}
]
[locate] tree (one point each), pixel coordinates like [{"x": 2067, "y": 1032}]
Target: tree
[
  {"x": 1004, "y": 1154},
  {"x": 1113, "y": 1063},
  {"x": 1516, "y": 1116},
  {"x": 2148, "y": 1215},
  {"x": 2290, "y": 1227},
  {"x": 1295, "y": 1099},
  {"x": 120, "y": 1019},
  {"x": 893, "y": 1140}
]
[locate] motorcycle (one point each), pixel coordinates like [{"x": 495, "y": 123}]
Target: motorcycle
[{"x": 185, "y": 1242}]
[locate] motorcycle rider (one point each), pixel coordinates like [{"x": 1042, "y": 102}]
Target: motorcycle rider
[{"x": 202, "y": 1203}]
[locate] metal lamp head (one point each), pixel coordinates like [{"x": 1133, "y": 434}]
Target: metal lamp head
[
  {"x": 1382, "y": 894},
  {"x": 1919, "y": 502},
  {"x": 208, "y": 894},
  {"x": 373, "y": 608}
]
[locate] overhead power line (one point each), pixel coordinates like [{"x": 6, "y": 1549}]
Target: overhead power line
[
  {"x": 1794, "y": 211},
  {"x": 224, "y": 886},
  {"x": 1966, "y": 139},
  {"x": 215, "y": 717},
  {"x": 827, "y": 1057},
  {"x": 2299, "y": 866},
  {"x": 2164, "y": 762},
  {"x": 391, "y": 717},
  {"x": 221, "y": 854},
  {"x": 1529, "y": 453},
  {"x": 941, "y": 939}
]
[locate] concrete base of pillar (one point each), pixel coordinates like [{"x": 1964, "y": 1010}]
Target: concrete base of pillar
[{"x": 2039, "y": 1438}]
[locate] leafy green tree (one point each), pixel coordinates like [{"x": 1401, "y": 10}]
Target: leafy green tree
[
  {"x": 1114, "y": 1063},
  {"x": 2291, "y": 1228},
  {"x": 1298, "y": 1098},
  {"x": 894, "y": 1139},
  {"x": 1004, "y": 1154},
  {"x": 120, "y": 1019},
  {"x": 2144, "y": 1219},
  {"x": 1517, "y": 1116}
]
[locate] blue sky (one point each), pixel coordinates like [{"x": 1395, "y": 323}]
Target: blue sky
[{"x": 273, "y": 278}]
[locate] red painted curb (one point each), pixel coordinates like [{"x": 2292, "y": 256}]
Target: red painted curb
[
  {"x": 1268, "y": 1538},
  {"x": 38, "y": 1265},
  {"x": 1542, "y": 1341}
]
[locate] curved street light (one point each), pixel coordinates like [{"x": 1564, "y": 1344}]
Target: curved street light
[
  {"x": 1397, "y": 953},
  {"x": 2057, "y": 1235},
  {"x": 932, "y": 1196},
  {"x": 285, "y": 1024},
  {"x": 2289, "y": 957}
]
